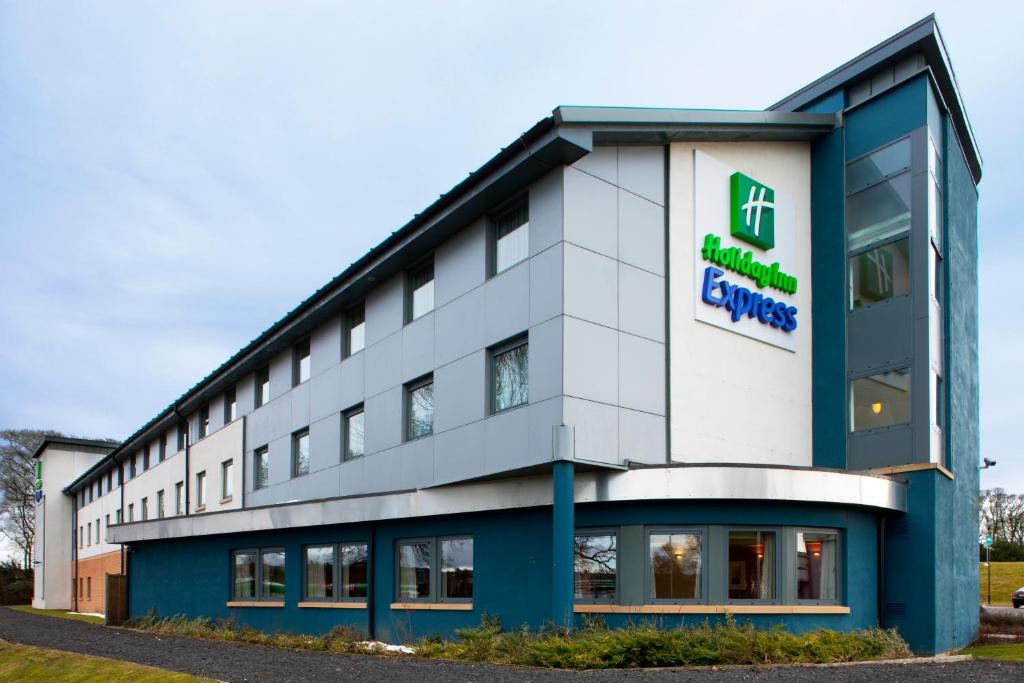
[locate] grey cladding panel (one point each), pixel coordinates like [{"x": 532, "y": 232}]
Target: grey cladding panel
[
  {"x": 546, "y": 284},
  {"x": 459, "y": 392},
  {"x": 641, "y": 374},
  {"x": 885, "y": 448},
  {"x": 383, "y": 421},
  {"x": 642, "y": 172},
  {"x": 591, "y": 284},
  {"x": 641, "y": 303},
  {"x": 880, "y": 335},
  {"x": 353, "y": 380},
  {"x": 325, "y": 347},
  {"x": 546, "y": 360},
  {"x": 300, "y": 407},
  {"x": 459, "y": 327},
  {"x": 641, "y": 437},
  {"x": 641, "y": 233},
  {"x": 591, "y": 209},
  {"x": 459, "y": 264},
  {"x": 596, "y": 428},
  {"x": 325, "y": 393},
  {"x": 507, "y": 304},
  {"x": 460, "y": 453},
  {"x": 385, "y": 309},
  {"x": 546, "y": 212},
  {"x": 384, "y": 364},
  {"x": 418, "y": 347},
  {"x": 603, "y": 163},
  {"x": 591, "y": 361}
]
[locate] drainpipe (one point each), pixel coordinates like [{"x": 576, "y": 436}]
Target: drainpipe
[
  {"x": 881, "y": 571},
  {"x": 120, "y": 475},
  {"x": 563, "y": 535},
  {"x": 74, "y": 548},
  {"x": 187, "y": 439},
  {"x": 371, "y": 567}
]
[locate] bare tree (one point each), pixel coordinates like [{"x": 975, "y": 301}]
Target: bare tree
[
  {"x": 1002, "y": 515},
  {"x": 17, "y": 487}
]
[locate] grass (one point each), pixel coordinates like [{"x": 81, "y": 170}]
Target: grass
[
  {"x": 59, "y": 613},
  {"x": 591, "y": 647},
  {"x": 1010, "y": 652},
  {"x": 1006, "y": 578},
  {"x": 28, "y": 664}
]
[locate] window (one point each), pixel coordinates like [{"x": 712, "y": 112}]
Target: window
[
  {"x": 230, "y": 406},
  {"x": 133, "y": 466},
  {"x": 272, "y": 575},
  {"x": 120, "y": 474},
  {"x": 145, "y": 458},
  {"x": 419, "y": 408},
  {"x": 355, "y": 327},
  {"x": 419, "y": 562},
  {"x": 131, "y": 512},
  {"x": 179, "y": 498},
  {"x": 354, "y": 570},
  {"x": 204, "y": 421},
  {"x": 262, "y": 386},
  {"x": 119, "y": 516},
  {"x": 936, "y": 275},
  {"x": 939, "y": 408},
  {"x": 81, "y": 537},
  {"x": 300, "y": 453},
  {"x": 106, "y": 520},
  {"x": 511, "y": 236},
  {"x": 595, "y": 567},
  {"x": 261, "y": 467},
  {"x": 300, "y": 363},
  {"x": 182, "y": 437},
  {"x": 881, "y": 400},
  {"x": 421, "y": 292},
  {"x": 751, "y": 565},
  {"x": 676, "y": 565},
  {"x": 244, "y": 579},
  {"x": 510, "y": 376},
  {"x": 110, "y": 481},
  {"x": 99, "y": 536},
  {"x": 88, "y": 493},
  {"x": 161, "y": 450},
  {"x": 160, "y": 504},
  {"x": 353, "y": 424},
  {"x": 227, "y": 484},
  {"x": 320, "y": 572},
  {"x": 201, "y": 490},
  {"x": 88, "y": 587},
  {"x": 88, "y": 531},
  {"x": 144, "y": 505},
  {"x": 817, "y": 565},
  {"x": 336, "y": 572},
  {"x": 880, "y": 273}
]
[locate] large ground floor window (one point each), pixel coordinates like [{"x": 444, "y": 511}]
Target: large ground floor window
[
  {"x": 436, "y": 569},
  {"x": 258, "y": 574},
  {"x": 336, "y": 571}
]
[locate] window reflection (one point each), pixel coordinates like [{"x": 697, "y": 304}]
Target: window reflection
[
  {"x": 751, "y": 565},
  {"x": 880, "y": 400},
  {"x": 676, "y": 566},
  {"x": 816, "y": 565},
  {"x": 879, "y": 274},
  {"x": 595, "y": 567},
  {"x": 511, "y": 378},
  {"x": 457, "y": 568},
  {"x": 414, "y": 570}
]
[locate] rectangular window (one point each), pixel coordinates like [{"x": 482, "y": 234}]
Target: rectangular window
[
  {"x": 110, "y": 481},
  {"x": 145, "y": 458},
  {"x": 99, "y": 536},
  {"x": 261, "y": 467},
  {"x": 88, "y": 531},
  {"x": 160, "y": 504},
  {"x": 511, "y": 236},
  {"x": 817, "y": 565},
  {"x": 262, "y": 386},
  {"x": 353, "y": 424},
  {"x": 300, "y": 363},
  {"x": 419, "y": 408},
  {"x": 161, "y": 450},
  {"x": 272, "y": 575},
  {"x": 456, "y": 569},
  {"x": 119, "y": 516},
  {"x": 676, "y": 565},
  {"x": 144, "y": 505},
  {"x": 120, "y": 474},
  {"x": 244, "y": 584},
  {"x": 182, "y": 437},
  {"x": 751, "y": 565},
  {"x": 355, "y": 331},
  {"x": 204, "y": 421},
  {"x": 510, "y": 376},
  {"x": 300, "y": 453},
  {"x": 201, "y": 491},
  {"x": 414, "y": 561},
  {"x": 879, "y": 165},
  {"x": 131, "y": 512},
  {"x": 88, "y": 587},
  {"x": 936, "y": 275},
  {"x": 878, "y": 212},
  {"x": 230, "y": 406},
  {"x": 354, "y": 570},
  {"x": 939, "y": 408},
  {"x": 227, "y": 484},
  {"x": 880, "y": 273},
  {"x": 320, "y": 572},
  {"x": 81, "y": 537},
  {"x": 179, "y": 498},
  {"x": 421, "y": 291},
  {"x": 595, "y": 567},
  {"x": 106, "y": 520},
  {"x": 881, "y": 400},
  {"x": 133, "y": 471}
]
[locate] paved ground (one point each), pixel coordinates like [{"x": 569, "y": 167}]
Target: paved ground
[{"x": 238, "y": 662}]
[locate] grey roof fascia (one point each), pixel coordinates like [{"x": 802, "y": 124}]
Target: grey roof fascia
[
  {"x": 532, "y": 154},
  {"x": 73, "y": 441},
  {"x": 923, "y": 36}
]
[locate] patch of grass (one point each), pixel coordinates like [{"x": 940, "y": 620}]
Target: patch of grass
[
  {"x": 725, "y": 642},
  {"x": 1006, "y": 578},
  {"x": 29, "y": 664},
  {"x": 60, "y": 614},
  {"x": 1010, "y": 652}
]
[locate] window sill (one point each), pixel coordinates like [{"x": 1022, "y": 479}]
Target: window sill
[
  {"x": 225, "y": 501},
  {"x": 201, "y": 508},
  {"x": 333, "y": 605},
  {"x": 917, "y": 467},
  {"x": 710, "y": 609},
  {"x": 255, "y": 603},
  {"x": 438, "y": 606}
]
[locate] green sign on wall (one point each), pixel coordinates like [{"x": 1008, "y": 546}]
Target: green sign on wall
[{"x": 752, "y": 211}]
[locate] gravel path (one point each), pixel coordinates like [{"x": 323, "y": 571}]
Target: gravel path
[{"x": 237, "y": 662}]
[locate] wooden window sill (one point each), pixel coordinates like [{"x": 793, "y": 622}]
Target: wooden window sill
[
  {"x": 710, "y": 609},
  {"x": 225, "y": 501},
  {"x": 438, "y": 606},
  {"x": 255, "y": 603},
  {"x": 324, "y": 604}
]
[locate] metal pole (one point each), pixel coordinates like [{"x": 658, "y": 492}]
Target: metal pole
[{"x": 988, "y": 558}]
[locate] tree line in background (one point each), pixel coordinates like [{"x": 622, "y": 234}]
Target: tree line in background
[
  {"x": 1002, "y": 517},
  {"x": 17, "y": 491}
]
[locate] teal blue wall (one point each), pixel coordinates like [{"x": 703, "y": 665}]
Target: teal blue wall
[{"x": 512, "y": 572}]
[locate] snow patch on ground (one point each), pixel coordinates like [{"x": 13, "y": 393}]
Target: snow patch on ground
[{"x": 377, "y": 646}]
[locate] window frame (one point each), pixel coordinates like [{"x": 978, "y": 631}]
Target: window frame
[
  {"x": 438, "y": 541},
  {"x": 838, "y": 600},
  {"x": 433, "y": 583},
  {"x": 230, "y": 405},
  {"x": 493, "y": 352},
  {"x": 179, "y": 498},
  {"x": 336, "y": 571},
  {"x": 262, "y": 376},
  {"x": 369, "y": 570},
  {"x": 301, "y": 350},
  {"x": 880, "y": 370},
  {"x": 201, "y": 492},
  {"x": 359, "y": 409},
  {"x": 777, "y": 565},
  {"x": 408, "y": 390},
  {"x": 427, "y": 264},
  {"x": 903, "y": 169},
  {"x": 705, "y": 581},
  {"x": 160, "y": 496},
  {"x": 599, "y": 531},
  {"x": 203, "y": 422},
  {"x": 226, "y": 480},
  {"x": 144, "y": 507},
  {"x": 257, "y": 483},
  {"x": 493, "y": 220},
  {"x": 161, "y": 451},
  {"x": 347, "y": 328},
  {"x": 258, "y": 570},
  {"x": 296, "y": 438},
  {"x": 259, "y": 567}
]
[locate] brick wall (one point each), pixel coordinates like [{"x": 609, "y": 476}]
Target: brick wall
[{"x": 90, "y": 584}]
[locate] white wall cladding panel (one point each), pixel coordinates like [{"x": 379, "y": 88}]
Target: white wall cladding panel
[
  {"x": 459, "y": 453},
  {"x": 591, "y": 209},
  {"x": 596, "y": 429},
  {"x": 460, "y": 263},
  {"x": 507, "y": 304},
  {"x": 591, "y": 362},
  {"x": 754, "y": 405},
  {"x": 459, "y": 327},
  {"x": 641, "y": 233},
  {"x": 642, "y": 172},
  {"x": 641, "y": 374},
  {"x": 208, "y": 455},
  {"x": 418, "y": 347},
  {"x": 546, "y": 212},
  {"x": 546, "y": 287},
  {"x": 641, "y": 437},
  {"x": 546, "y": 360},
  {"x": 641, "y": 303},
  {"x": 591, "y": 286},
  {"x": 384, "y": 364},
  {"x": 603, "y": 163},
  {"x": 385, "y": 309},
  {"x": 507, "y": 440},
  {"x": 352, "y": 477}
]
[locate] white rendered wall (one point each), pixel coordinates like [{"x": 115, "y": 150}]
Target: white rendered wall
[{"x": 735, "y": 399}]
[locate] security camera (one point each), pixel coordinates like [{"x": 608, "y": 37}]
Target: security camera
[{"x": 987, "y": 463}]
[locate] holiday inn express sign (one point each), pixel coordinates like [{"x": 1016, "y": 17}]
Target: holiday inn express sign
[{"x": 744, "y": 235}]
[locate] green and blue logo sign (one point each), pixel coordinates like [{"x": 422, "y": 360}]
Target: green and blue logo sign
[{"x": 751, "y": 211}]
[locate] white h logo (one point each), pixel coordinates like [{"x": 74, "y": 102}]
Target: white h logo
[{"x": 756, "y": 205}]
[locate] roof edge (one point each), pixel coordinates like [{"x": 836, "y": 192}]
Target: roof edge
[{"x": 74, "y": 441}]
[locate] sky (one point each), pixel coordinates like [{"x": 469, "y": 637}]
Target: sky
[{"x": 175, "y": 176}]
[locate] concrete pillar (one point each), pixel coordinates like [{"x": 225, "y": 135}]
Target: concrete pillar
[{"x": 563, "y": 528}]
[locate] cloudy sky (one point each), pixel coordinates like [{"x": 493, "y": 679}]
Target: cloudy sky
[{"x": 174, "y": 176}]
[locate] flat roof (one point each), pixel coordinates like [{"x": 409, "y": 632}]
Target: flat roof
[{"x": 74, "y": 441}]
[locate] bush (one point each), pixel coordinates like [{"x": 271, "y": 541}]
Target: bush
[{"x": 16, "y": 584}]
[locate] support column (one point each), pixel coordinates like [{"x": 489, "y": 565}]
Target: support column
[{"x": 563, "y": 529}]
